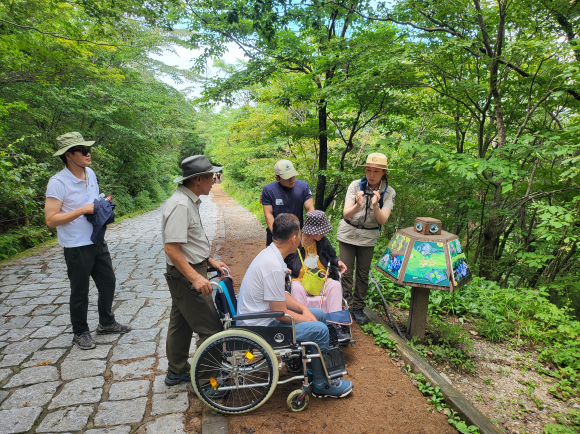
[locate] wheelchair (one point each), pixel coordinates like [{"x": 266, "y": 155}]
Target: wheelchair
[{"x": 237, "y": 370}]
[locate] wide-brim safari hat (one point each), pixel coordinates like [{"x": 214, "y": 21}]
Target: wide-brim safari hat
[
  {"x": 70, "y": 140},
  {"x": 316, "y": 223},
  {"x": 377, "y": 160},
  {"x": 195, "y": 166}
]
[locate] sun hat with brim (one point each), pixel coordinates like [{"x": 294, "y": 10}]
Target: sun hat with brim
[
  {"x": 316, "y": 223},
  {"x": 69, "y": 140},
  {"x": 377, "y": 160},
  {"x": 195, "y": 166}
]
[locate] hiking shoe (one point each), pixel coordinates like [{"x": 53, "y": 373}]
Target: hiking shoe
[
  {"x": 336, "y": 389},
  {"x": 359, "y": 316},
  {"x": 113, "y": 328},
  {"x": 172, "y": 379},
  {"x": 340, "y": 334},
  {"x": 84, "y": 341}
]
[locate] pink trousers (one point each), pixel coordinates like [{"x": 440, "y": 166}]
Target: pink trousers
[{"x": 332, "y": 301}]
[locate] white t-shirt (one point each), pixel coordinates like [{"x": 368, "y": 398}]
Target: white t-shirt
[
  {"x": 262, "y": 283},
  {"x": 74, "y": 193}
]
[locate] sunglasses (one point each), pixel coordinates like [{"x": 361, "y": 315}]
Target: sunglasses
[{"x": 83, "y": 150}]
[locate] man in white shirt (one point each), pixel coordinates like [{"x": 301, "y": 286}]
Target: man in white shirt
[
  {"x": 70, "y": 195},
  {"x": 262, "y": 290}
]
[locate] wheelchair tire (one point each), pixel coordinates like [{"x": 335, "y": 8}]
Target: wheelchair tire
[
  {"x": 294, "y": 404},
  {"x": 251, "y": 383}
]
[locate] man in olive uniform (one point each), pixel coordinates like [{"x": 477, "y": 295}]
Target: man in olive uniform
[{"x": 187, "y": 250}]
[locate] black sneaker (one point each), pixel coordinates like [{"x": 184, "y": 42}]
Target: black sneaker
[
  {"x": 340, "y": 334},
  {"x": 172, "y": 379},
  {"x": 84, "y": 341},
  {"x": 113, "y": 328},
  {"x": 359, "y": 316}
]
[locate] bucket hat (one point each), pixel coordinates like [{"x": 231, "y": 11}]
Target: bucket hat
[
  {"x": 196, "y": 165},
  {"x": 285, "y": 169},
  {"x": 376, "y": 159},
  {"x": 68, "y": 140},
  {"x": 316, "y": 223}
]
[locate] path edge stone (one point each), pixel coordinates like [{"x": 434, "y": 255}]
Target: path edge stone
[
  {"x": 212, "y": 423},
  {"x": 453, "y": 397}
]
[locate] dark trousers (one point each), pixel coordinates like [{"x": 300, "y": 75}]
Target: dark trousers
[
  {"x": 190, "y": 312},
  {"x": 349, "y": 254},
  {"x": 83, "y": 262}
]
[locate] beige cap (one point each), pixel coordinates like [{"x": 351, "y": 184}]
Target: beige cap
[
  {"x": 285, "y": 169},
  {"x": 377, "y": 160},
  {"x": 68, "y": 140}
]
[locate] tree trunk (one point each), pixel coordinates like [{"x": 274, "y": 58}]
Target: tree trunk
[{"x": 322, "y": 155}]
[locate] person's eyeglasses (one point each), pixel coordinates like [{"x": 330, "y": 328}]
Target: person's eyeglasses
[{"x": 84, "y": 150}]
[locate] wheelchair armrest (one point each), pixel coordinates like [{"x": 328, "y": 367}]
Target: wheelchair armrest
[{"x": 257, "y": 315}]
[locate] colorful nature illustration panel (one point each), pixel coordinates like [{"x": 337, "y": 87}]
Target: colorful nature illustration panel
[
  {"x": 393, "y": 256},
  {"x": 461, "y": 271},
  {"x": 427, "y": 264}
]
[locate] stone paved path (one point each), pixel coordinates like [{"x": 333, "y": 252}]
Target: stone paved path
[{"x": 48, "y": 386}]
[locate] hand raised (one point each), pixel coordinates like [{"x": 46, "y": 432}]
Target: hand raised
[
  {"x": 359, "y": 198},
  {"x": 376, "y": 197}
]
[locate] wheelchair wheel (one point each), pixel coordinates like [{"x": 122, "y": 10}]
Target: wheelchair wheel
[
  {"x": 248, "y": 371},
  {"x": 295, "y": 365},
  {"x": 294, "y": 403}
]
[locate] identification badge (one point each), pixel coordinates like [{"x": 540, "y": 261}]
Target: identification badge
[{"x": 279, "y": 202}]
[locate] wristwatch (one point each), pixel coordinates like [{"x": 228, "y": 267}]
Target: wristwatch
[{"x": 376, "y": 206}]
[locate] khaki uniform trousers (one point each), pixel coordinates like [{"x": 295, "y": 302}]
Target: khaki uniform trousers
[
  {"x": 190, "y": 312},
  {"x": 363, "y": 256}
]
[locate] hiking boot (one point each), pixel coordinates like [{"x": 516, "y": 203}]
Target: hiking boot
[
  {"x": 113, "y": 328},
  {"x": 336, "y": 389},
  {"x": 359, "y": 316},
  {"x": 84, "y": 341},
  {"x": 172, "y": 379},
  {"x": 340, "y": 334}
]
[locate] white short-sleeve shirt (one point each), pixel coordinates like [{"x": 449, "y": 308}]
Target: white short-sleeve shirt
[
  {"x": 74, "y": 193},
  {"x": 262, "y": 283}
]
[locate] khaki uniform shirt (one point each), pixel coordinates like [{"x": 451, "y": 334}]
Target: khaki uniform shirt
[
  {"x": 181, "y": 223},
  {"x": 363, "y": 237}
]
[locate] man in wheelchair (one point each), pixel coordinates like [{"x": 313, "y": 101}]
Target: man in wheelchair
[{"x": 262, "y": 290}]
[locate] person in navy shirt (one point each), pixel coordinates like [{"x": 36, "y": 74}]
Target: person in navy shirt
[{"x": 285, "y": 195}]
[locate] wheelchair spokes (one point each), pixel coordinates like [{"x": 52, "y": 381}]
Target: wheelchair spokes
[{"x": 245, "y": 373}]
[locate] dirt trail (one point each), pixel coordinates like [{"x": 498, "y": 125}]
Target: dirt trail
[{"x": 383, "y": 400}]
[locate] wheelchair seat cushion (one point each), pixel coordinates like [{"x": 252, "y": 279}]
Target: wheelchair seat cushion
[{"x": 341, "y": 317}]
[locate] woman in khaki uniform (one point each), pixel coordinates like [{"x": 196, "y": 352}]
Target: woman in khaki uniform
[{"x": 368, "y": 204}]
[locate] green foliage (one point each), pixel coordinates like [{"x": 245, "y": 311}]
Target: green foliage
[
  {"x": 86, "y": 67},
  {"x": 22, "y": 238},
  {"x": 446, "y": 343},
  {"x": 568, "y": 423},
  {"x": 436, "y": 399},
  {"x": 381, "y": 336}
]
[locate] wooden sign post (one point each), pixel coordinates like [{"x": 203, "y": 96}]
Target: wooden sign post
[{"x": 424, "y": 257}]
